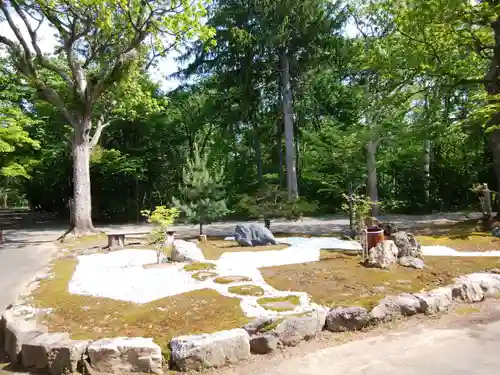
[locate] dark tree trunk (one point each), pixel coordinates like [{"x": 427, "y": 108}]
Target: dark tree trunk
[
  {"x": 372, "y": 189},
  {"x": 286, "y": 97},
  {"x": 258, "y": 156}
]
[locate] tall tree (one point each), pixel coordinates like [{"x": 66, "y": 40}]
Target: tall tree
[{"x": 98, "y": 45}]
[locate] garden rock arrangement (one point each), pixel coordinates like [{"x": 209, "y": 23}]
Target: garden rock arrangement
[
  {"x": 27, "y": 343},
  {"x": 403, "y": 248},
  {"x": 253, "y": 235}
]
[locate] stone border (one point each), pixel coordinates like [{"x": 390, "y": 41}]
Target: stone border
[{"x": 28, "y": 344}]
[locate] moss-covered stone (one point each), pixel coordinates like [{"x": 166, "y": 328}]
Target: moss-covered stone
[
  {"x": 199, "y": 266},
  {"x": 286, "y": 303},
  {"x": 231, "y": 279},
  {"x": 247, "y": 290},
  {"x": 203, "y": 275}
]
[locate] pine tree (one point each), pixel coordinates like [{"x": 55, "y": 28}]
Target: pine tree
[{"x": 203, "y": 196}]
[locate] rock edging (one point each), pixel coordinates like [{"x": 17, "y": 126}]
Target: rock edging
[{"x": 27, "y": 343}]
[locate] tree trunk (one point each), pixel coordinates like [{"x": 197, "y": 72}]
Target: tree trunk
[
  {"x": 290, "y": 157},
  {"x": 493, "y": 89},
  {"x": 279, "y": 147},
  {"x": 494, "y": 143},
  {"x": 258, "y": 156},
  {"x": 371, "y": 163},
  {"x": 82, "y": 212},
  {"x": 427, "y": 171}
]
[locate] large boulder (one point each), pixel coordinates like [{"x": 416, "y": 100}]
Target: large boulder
[
  {"x": 19, "y": 330},
  {"x": 123, "y": 355},
  {"x": 383, "y": 255},
  {"x": 467, "y": 291},
  {"x": 34, "y": 353},
  {"x": 253, "y": 235},
  {"x": 489, "y": 282},
  {"x": 292, "y": 331},
  {"x": 185, "y": 251},
  {"x": 386, "y": 311},
  {"x": 210, "y": 350},
  {"x": 436, "y": 301},
  {"x": 407, "y": 245},
  {"x": 347, "y": 319}
]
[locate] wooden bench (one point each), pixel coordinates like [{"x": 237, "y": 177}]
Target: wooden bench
[{"x": 117, "y": 239}]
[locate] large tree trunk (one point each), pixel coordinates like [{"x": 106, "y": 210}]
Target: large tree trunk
[
  {"x": 371, "y": 163},
  {"x": 290, "y": 157},
  {"x": 82, "y": 212},
  {"x": 427, "y": 171},
  {"x": 258, "y": 156},
  {"x": 493, "y": 88}
]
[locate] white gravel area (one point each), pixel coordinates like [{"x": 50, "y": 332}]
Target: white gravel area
[
  {"x": 449, "y": 252},
  {"x": 120, "y": 275}
]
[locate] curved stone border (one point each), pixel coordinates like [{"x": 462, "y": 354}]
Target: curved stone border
[{"x": 28, "y": 343}]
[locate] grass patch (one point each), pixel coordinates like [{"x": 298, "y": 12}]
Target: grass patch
[
  {"x": 213, "y": 249},
  {"x": 202, "y": 276},
  {"x": 84, "y": 242},
  {"x": 461, "y": 236},
  {"x": 199, "y": 266},
  {"x": 267, "y": 303},
  {"x": 201, "y": 311},
  {"x": 339, "y": 280},
  {"x": 247, "y": 290},
  {"x": 231, "y": 279}
]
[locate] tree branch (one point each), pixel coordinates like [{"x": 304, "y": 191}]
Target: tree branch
[{"x": 101, "y": 125}]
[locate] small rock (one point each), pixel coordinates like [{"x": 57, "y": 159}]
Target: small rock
[
  {"x": 185, "y": 251},
  {"x": 435, "y": 301},
  {"x": 125, "y": 354},
  {"x": 253, "y": 235},
  {"x": 294, "y": 330},
  {"x": 469, "y": 292},
  {"x": 383, "y": 255},
  {"x": 264, "y": 343},
  {"x": 34, "y": 352},
  {"x": 411, "y": 262},
  {"x": 407, "y": 245},
  {"x": 347, "y": 319},
  {"x": 210, "y": 350}
]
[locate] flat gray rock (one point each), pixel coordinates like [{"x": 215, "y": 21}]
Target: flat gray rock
[
  {"x": 34, "y": 353},
  {"x": 125, "y": 354},
  {"x": 196, "y": 352},
  {"x": 411, "y": 262},
  {"x": 347, "y": 319}
]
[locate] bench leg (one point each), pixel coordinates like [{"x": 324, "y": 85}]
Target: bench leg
[{"x": 116, "y": 241}]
